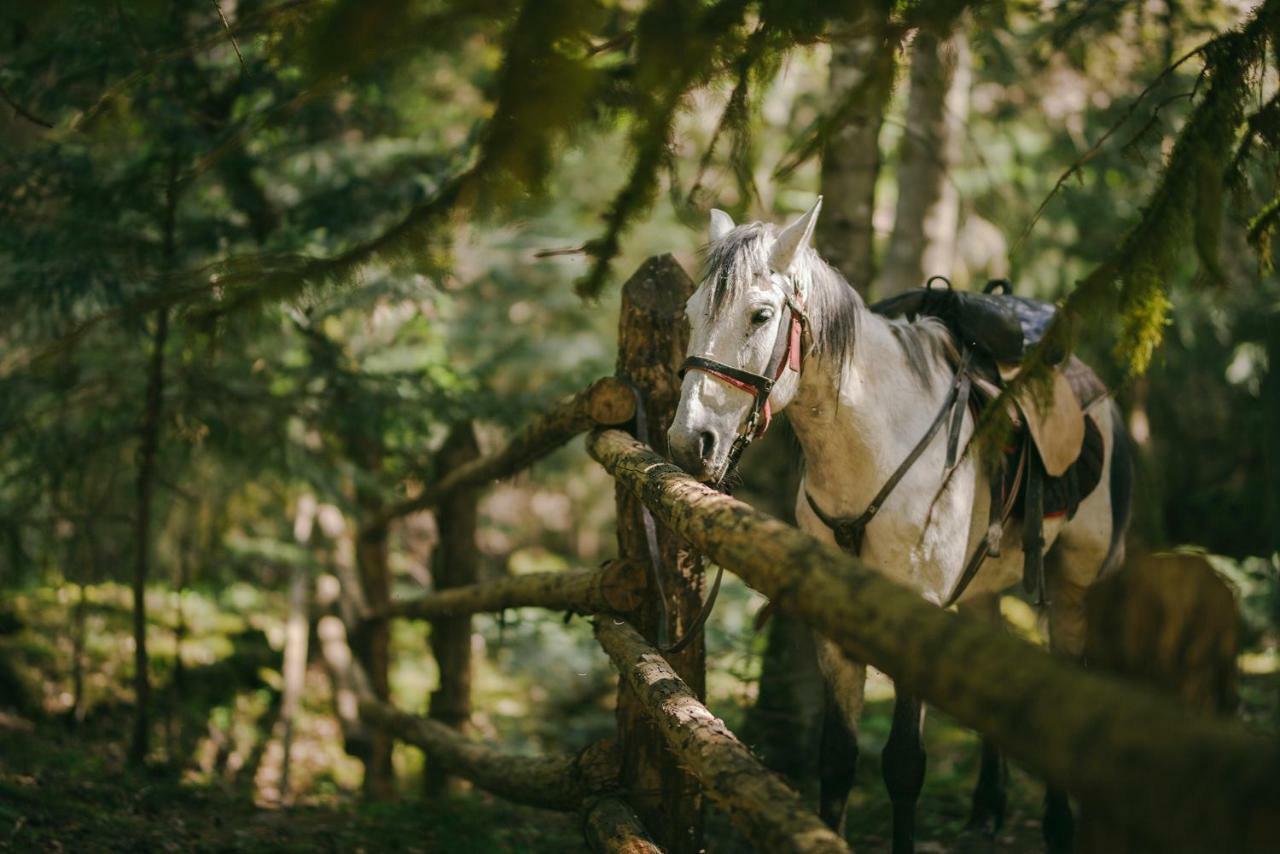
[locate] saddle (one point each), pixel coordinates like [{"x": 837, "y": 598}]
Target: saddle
[{"x": 1055, "y": 459}]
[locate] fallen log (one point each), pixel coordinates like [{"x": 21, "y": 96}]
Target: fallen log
[
  {"x": 615, "y": 588},
  {"x": 1185, "y": 782},
  {"x": 557, "y": 782},
  {"x": 759, "y": 802},
  {"x": 606, "y": 402},
  {"x": 612, "y": 827}
]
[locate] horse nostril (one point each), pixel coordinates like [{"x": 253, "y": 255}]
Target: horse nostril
[{"x": 706, "y": 444}]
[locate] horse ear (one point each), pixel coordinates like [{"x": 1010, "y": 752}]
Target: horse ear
[
  {"x": 721, "y": 224},
  {"x": 793, "y": 239}
]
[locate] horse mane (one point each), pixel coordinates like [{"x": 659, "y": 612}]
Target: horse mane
[{"x": 835, "y": 308}]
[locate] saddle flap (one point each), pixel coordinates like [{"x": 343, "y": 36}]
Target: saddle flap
[{"x": 1057, "y": 426}]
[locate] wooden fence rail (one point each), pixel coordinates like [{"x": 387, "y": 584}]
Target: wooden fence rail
[
  {"x": 1181, "y": 781},
  {"x": 615, "y": 588},
  {"x": 587, "y": 783},
  {"x": 606, "y": 402},
  {"x": 757, "y": 801}
]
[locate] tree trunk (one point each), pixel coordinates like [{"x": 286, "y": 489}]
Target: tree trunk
[
  {"x": 149, "y": 447},
  {"x": 150, "y": 436},
  {"x": 297, "y": 631},
  {"x": 611, "y": 827},
  {"x": 652, "y": 338},
  {"x": 456, "y": 564},
  {"x": 923, "y": 243},
  {"x": 372, "y": 641},
  {"x": 860, "y": 83}
]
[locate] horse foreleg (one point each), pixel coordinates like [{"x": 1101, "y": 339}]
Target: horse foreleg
[
  {"x": 837, "y": 765},
  {"x": 986, "y": 814},
  {"x": 903, "y": 762}
]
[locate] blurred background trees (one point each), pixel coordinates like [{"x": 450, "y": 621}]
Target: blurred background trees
[{"x": 260, "y": 256}]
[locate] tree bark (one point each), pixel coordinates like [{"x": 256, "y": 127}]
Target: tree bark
[
  {"x": 552, "y": 782},
  {"x": 612, "y": 827},
  {"x": 150, "y": 436},
  {"x": 860, "y": 83},
  {"x": 373, "y": 651},
  {"x": 455, "y": 565},
  {"x": 606, "y": 402},
  {"x": 652, "y": 338},
  {"x": 296, "y": 635},
  {"x": 758, "y": 802},
  {"x": 557, "y": 782},
  {"x": 149, "y": 448},
  {"x": 927, "y": 219},
  {"x": 1185, "y": 781},
  {"x": 616, "y": 588}
]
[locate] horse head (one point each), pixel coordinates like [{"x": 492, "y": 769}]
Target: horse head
[{"x": 746, "y": 323}]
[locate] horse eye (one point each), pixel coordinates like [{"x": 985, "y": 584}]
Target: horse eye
[{"x": 760, "y": 315}]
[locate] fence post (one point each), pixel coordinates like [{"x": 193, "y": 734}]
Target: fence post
[
  {"x": 1171, "y": 623},
  {"x": 454, "y": 565},
  {"x": 652, "y": 338}
]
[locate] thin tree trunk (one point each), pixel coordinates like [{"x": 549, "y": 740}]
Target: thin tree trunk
[
  {"x": 77, "y": 661},
  {"x": 149, "y": 436},
  {"x": 142, "y": 536},
  {"x": 923, "y": 243},
  {"x": 860, "y": 83},
  {"x": 456, "y": 564},
  {"x": 372, "y": 639},
  {"x": 178, "y": 687},
  {"x": 297, "y": 630}
]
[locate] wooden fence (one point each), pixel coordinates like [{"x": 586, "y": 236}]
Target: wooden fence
[{"x": 1155, "y": 772}]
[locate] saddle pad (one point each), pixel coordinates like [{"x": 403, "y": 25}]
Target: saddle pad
[
  {"x": 1064, "y": 493},
  {"x": 1056, "y": 424}
]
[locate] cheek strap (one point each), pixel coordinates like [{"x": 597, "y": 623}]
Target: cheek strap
[{"x": 788, "y": 352}]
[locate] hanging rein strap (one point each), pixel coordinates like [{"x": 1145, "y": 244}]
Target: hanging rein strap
[
  {"x": 788, "y": 351},
  {"x": 849, "y": 532}
]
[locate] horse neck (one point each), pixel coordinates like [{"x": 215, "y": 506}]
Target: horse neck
[{"x": 858, "y": 419}]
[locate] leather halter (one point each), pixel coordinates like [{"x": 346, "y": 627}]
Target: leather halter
[{"x": 788, "y": 351}]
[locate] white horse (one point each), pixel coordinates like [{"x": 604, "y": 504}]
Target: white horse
[{"x": 860, "y": 400}]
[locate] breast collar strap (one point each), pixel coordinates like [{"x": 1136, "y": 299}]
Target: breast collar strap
[{"x": 788, "y": 351}]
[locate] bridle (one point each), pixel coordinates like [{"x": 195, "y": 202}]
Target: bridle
[{"x": 788, "y": 351}]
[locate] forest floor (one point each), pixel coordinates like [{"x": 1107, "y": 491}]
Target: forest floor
[{"x": 212, "y": 784}]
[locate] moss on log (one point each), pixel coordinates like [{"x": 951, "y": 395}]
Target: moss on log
[
  {"x": 552, "y": 782},
  {"x": 606, "y": 402},
  {"x": 615, "y": 588},
  {"x": 612, "y": 827},
  {"x": 1185, "y": 781},
  {"x": 758, "y": 801}
]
